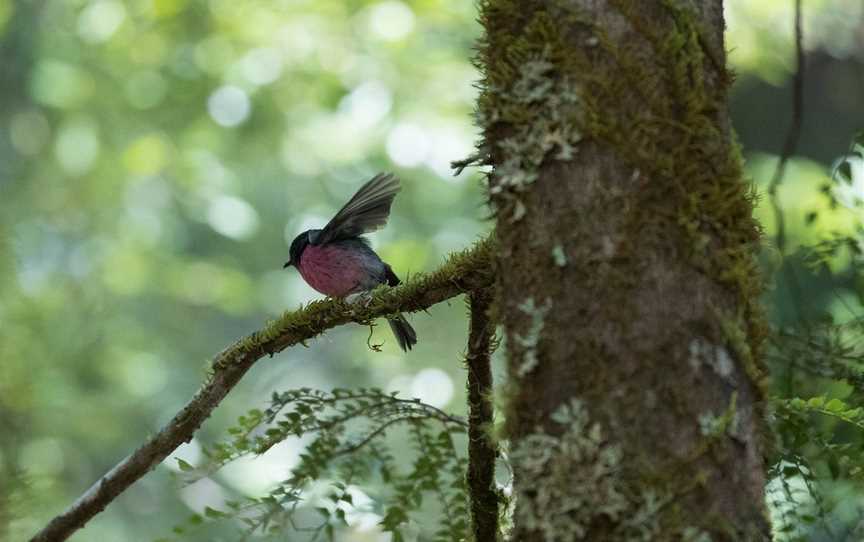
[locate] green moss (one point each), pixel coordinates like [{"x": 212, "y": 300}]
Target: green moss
[
  {"x": 318, "y": 316},
  {"x": 713, "y": 426},
  {"x": 734, "y": 331},
  {"x": 667, "y": 122},
  {"x": 541, "y": 97}
]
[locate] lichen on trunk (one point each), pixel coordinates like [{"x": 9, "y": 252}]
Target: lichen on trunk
[{"x": 627, "y": 279}]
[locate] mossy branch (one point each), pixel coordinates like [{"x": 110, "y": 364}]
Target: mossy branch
[
  {"x": 481, "y": 448},
  {"x": 463, "y": 272}
]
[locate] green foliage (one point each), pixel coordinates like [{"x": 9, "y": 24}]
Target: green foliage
[
  {"x": 122, "y": 266},
  {"x": 348, "y": 448},
  {"x": 843, "y": 168},
  {"x": 15, "y": 496},
  {"x": 140, "y": 234},
  {"x": 817, "y": 408},
  {"x": 797, "y": 430},
  {"x": 810, "y": 452}
]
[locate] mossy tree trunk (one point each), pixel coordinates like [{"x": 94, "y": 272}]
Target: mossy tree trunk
[{"x": 627, "y": 284}]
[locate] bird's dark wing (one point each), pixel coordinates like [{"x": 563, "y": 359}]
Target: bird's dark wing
[{"x": 366, "y": 211}]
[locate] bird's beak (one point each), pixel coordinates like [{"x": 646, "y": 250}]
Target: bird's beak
[{"x": 287, "y": 264}]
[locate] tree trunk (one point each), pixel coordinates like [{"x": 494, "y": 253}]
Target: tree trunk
[{"x": 627, "y": 282}]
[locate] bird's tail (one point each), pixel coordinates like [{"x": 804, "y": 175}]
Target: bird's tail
[{"x": 405, "y": 334}]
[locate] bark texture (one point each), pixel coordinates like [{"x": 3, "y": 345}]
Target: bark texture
[{"x": 627, "y": 281}]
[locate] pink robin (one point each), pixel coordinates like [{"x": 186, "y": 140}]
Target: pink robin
[{"x": 337, "y": 261}]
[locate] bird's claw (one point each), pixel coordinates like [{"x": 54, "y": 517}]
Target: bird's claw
[{"x": 360, "y": 298}]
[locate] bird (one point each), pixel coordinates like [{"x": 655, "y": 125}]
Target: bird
[{"x": 338, "y": 261}]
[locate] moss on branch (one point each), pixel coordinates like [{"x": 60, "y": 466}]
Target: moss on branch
[
  {"x": 482, "y": 449},
  {"x": 462, "y": 272}
]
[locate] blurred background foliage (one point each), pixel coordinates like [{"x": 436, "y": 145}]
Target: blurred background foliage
[{"x": 156, "y": 155}]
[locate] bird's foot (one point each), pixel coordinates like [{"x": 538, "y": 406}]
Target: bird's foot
[{"x": 360, "y": 298}]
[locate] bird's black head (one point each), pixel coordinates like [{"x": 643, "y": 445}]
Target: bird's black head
[{"x": 298, "y": 245}]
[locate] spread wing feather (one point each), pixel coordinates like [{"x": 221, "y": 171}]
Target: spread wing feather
[{"x": 366, "y": 211}]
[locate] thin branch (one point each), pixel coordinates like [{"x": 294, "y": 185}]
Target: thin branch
[
  {"x": 370, "y": 411},
  {"x": 351, "y": 448},
  {"x": 463, "y": 272},
  {"x": 794, "y": 133},
  {"x": 789, "y": 147},
  {"x": 481, "y": 448}
]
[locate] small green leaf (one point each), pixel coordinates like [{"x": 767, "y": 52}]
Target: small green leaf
[
  {"x": 835, "y": 405},
  {"x": 854, "y": 414},
  {"x": 213, "y": 513},
  {"x": 844, "y": 172},
  {"x": 816, "y": 402}
]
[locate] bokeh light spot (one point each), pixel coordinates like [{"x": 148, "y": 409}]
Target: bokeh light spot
[
  {"x": 146, "y": 155},
  {"x": 151, "y": 48},
  {"x": 407, "y": 145},
  {"x": 232, "y": 217},
  {"x": 77, "y": 145},
  {"x": 432, "y": 386},
  {"x": 229, "y": 106},
  {"x": 262, "y": 66},
  {"x": 367, "y": 104},
  {"x": 391, "y": 20},
  {"x": 59, "y": 84},
  {"x": 255, "y": 475},
  {"x": 99, "y": 20},
  {"x": 213, "y": 54},
  {"x": 164, "y": 9},
  {"x": 144, "y": 374},
  {"x": 145, "y": 89},
  {"x": 449, "y": 143}
]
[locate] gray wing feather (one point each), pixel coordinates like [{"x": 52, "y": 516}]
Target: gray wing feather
[{"x": 366, "y": 211}]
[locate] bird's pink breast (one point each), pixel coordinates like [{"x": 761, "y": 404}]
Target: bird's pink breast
[{"x": 332, "y": 270}]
